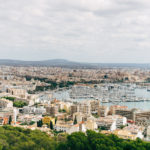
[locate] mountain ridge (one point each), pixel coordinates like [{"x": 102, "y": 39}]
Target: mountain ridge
[{"x": 70, "y": 64}]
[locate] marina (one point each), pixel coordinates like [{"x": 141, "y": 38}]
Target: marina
[{"x": 131, "y": 95}]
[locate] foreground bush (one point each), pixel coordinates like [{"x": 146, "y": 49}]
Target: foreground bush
[{"x": 20, "y": 139}]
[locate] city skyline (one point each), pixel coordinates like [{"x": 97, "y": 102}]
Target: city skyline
[{"x": 112, "y": 31}]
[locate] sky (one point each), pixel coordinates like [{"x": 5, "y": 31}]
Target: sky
[{"x": 103, "y": 31}]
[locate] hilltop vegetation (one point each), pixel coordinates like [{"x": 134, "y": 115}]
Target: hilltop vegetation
[{"x": 21, "y": 139}]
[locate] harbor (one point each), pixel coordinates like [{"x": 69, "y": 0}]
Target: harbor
[{"x": 131, "y": 95}]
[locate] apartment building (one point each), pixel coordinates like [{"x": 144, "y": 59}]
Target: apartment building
[
  {"x": 4, "y": 120},
  {"x": 84, "y": 108},
  {"x": 34, "y": 110},
  {"x": 52, "y": 110},
  {"x": 106, "y": 123},
  {"x": 95, "y": 104},
  {"x": 103, "y": 111},
  {"x": 17, "y": 92},
  {"x": 73, "y": 109},
  {"x": 126, "y": 113},
  {"x": 113, "y": 109},
  {"x": 142, "y": 118},
  {"x": 5, "y": 104},
  {"x": 47, "y": 119}
]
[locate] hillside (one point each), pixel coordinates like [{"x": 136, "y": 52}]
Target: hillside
[{"x": 21, "y": 139}]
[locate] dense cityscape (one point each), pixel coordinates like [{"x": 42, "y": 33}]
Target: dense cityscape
[{"x": 61, "y": 101}]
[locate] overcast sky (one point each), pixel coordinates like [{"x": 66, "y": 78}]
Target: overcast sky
[{"x": 78, "y": 30}]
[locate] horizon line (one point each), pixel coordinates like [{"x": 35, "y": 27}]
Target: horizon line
[{"x": 8, "y": 59}]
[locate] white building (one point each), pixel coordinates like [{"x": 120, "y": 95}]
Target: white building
[
  {"x": 106, "y": 123},
  {"x": 70, "y": 128},
  {"x": 135, "y": 130},
  {"x": 121, "y": 121},
  {"x": 5, "y": 103},
  {"x": 79, "y": 116},
  {"x": 34, "y": 110}
]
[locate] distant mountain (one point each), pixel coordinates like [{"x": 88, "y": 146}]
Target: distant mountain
[
  {"x": 50, "y": 63},
  {"x": 70, "y": 64}
]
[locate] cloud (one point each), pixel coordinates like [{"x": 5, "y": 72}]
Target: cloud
[{"x": 79, "y": 30}]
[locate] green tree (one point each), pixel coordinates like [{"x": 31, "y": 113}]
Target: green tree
[
  {"x": 55, "y": 120},
  {"x": 75, "y": 120},
  {"x": 9, "y": 98},
  {"x": 15, "y": 138},
  {"x": 77, "y": 141},
  {"x": 51, "y": 125},
  {"x": 10, "y": 120},
  {"x": 40, "y": 123},
  {"x": 31, "y": 122},
  {"x": 19, "y": 104}
]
